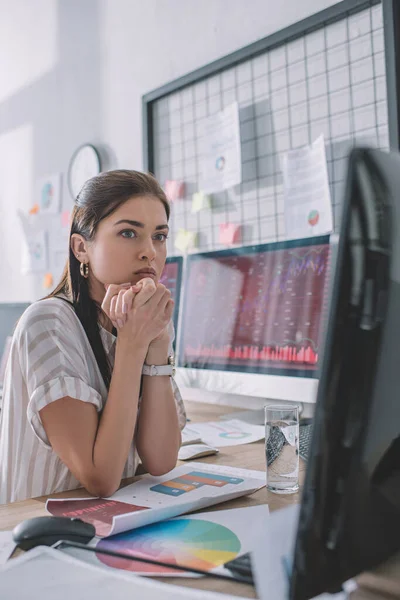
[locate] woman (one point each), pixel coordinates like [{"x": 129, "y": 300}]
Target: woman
[{"x": 77, "y": 409}]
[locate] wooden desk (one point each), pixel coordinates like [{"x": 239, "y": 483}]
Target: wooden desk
[{"x": 251, "y": 456}]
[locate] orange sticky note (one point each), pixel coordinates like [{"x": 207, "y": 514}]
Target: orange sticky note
[
  {"x": 174, "y": 189},
  {"x": 65, "y": 217},
  {"x": 34, "y": 210},
  {"x": 229, "y": 233},
  {"x": 47, "y": 281}
]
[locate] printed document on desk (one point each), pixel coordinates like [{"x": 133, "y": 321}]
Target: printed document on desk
[
  {"x": 7, "y": 546},
  {"x": 205, "y": 540},
  {"x": 224, "y": 433},
  {"x": 190, "y": 487},
  {"x": 47, "y": 574}
]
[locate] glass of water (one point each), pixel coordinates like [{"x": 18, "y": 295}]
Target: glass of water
[{"x": 282, "y": 448}]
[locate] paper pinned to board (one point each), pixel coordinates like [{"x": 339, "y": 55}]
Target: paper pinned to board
[
  {"x": 48, "y": 194},
  {"x": 35, "y": 253},
  {"x": 308, "y": 207},
  {"x": 174, "y": 190},
  {"x": 185, "y": 240},
  {"x": 229, "y": 233},
  {"x": 221, "y": 166},
  {"x": 200, "y": 201}
]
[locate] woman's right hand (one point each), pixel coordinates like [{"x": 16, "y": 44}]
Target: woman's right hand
[
  {"x": 119, "y": 298},
  {"x": 140, "y": 312}
]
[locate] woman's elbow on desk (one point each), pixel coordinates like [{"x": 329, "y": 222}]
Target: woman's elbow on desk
[
  {"x": 100, "y": 488},
  {"x": 157, "y": 467}
]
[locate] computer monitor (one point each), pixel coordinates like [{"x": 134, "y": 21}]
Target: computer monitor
[
  {"x": 9, "y": 315},
  {"x": 350, "y": 512},
  {"x": 252, "y": 319},
  {"x": 172, "y": 279}
]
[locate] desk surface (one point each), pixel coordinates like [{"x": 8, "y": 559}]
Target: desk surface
[{"x": 251, "y": 456}]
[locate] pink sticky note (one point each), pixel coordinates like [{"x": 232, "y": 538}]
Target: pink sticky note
[
  {"x": 65, "y": 217},
  {"x": 174, "y": 189},
  {"x": 229, "y": 233}
]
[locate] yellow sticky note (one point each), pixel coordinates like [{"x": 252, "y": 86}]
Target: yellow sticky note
[
  {"x": 185, "y": 240},
  {"x": 200, "y": 201},
  {"x": 47, "y": 281}
]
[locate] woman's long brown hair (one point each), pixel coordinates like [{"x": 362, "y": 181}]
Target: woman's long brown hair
[{"x": 98, "y": 198}]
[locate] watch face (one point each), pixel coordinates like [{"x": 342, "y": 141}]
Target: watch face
[{"x": 84, "y": 164}]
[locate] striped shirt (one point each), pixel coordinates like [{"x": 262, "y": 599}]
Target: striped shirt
[{"x": 50, "y": 358}]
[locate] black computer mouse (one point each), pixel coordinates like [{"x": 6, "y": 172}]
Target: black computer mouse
[{"x": 46, "y": 531}]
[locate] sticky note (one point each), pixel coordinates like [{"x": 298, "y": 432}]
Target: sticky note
[
  {"x": 229, "y": 233},
  {"x": 200, "y": 201},
  {"x": 47, "y": 281},
  {"x": 174, "y": 189},
  {"x": 65, "y": 218},
  {"x": 185, "y": 240},
  {"x": 34, "y": 210}
]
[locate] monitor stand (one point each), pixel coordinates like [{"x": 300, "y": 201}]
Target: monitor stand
[{"x": 253, "y": 417}]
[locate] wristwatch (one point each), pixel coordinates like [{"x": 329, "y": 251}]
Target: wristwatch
[{"x": 168, "y": 369}]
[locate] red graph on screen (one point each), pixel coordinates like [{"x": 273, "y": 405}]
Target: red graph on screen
[{"x": 255, "y": 310}]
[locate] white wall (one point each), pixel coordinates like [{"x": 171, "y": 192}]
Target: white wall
[{"x": 79, "y": 73}]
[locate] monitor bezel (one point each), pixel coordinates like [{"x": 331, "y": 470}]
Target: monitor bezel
[{"x": 179, "y": 261}]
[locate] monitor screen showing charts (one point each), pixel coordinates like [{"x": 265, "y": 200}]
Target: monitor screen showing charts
[
  {"x": 172, "y": 278},
  {"x": 256, "y": 309}
]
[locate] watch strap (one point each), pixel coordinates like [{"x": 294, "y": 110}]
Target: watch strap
[{"x": 152, "y": 370}]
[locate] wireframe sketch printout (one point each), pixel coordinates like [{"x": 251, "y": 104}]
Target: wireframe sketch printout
[
  {"x": 308, "y": 207},
  {"x": 152, "y": 499}
]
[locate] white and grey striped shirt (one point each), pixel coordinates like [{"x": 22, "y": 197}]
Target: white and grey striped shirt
[{"x": 50, "y": 358}]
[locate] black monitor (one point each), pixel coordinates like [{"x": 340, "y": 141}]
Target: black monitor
[
  {"x": 350, "y": 512},
  {"x": 172, "y": 279}
]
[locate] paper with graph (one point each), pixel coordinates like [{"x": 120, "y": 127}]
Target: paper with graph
[
  {"x": 152, "y": 499},
  {"x": 308, "y": 206},
  {"x": 224, "y": 433},
  {"x": 205, "y": 540}
]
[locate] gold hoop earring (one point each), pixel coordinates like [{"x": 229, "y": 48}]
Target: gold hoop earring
[{"x": 84, "y": 269}]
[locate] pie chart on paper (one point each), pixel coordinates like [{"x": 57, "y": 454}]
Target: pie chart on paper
[
  {"x": 188, "y": 542},
  {"x": 234, "y": 435}
]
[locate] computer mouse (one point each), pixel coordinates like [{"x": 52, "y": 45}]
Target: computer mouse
[{"x": 46, "y": 531}]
